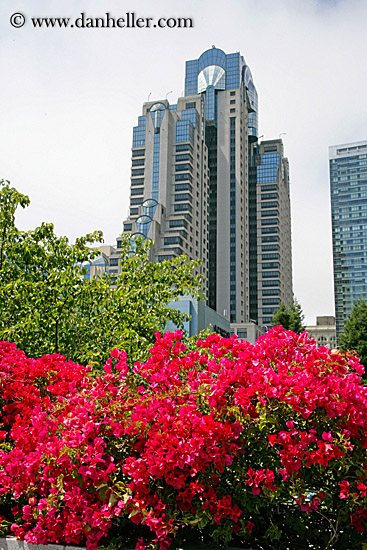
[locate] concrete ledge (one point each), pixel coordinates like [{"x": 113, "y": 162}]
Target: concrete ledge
[{"x": 12, "y": 543}]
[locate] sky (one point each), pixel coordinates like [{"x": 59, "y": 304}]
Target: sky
[{"x": 69, "y": 98}]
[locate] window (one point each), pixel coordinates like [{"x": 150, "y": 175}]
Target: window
[
  {"x": 265, "y": 196},
  {"x": 270, "y": 239},
  {"x": 232, "y": 93},
  {"x": 183, "y": 187},
  {"x": 183, "y": 177},
  {"x": 134, "y": 211},
  {"x": 182, "y": 167},
  {"x": 232, "y": 110},
  {"x": 266, "y": 213},
  {"x": 138, "y": 152},
  {"x": 270, "y": 291},
  {"x": 269, "y": 230},
  {"x": 268, "y": 274},
  {"x": 271, "y": 301},
  {"x": 137, "y": 181},
  {"x": 137, "y": 172},
  {"x": 182, "y": 197},
  {"x": 180, "y": 158},
  {"x": 137, "y": 191},
  {"x": 185, "y": 147},
  {"x": 138, "y": 200},
  {"x": 183, "y": 206},
  {"x": 127, "y": 227},
  {"x": 270, "y": 148},
  {"x": 173, "y": 240},
  {"x": 233, "y": 102},
  {"x": 177, "y": 223},
  {"x": 269, "y": 188},
  {"x": 270, "y": 283},
  {"x": 114, "y": 261},
  {"x": 191, "y": 105},
  {"x": 138, "y": 162}
]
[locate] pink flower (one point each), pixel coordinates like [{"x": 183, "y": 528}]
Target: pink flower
[{"x": 344, "y": 489}]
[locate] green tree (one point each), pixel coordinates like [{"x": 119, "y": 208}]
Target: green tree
[
  {"x": 290, "y": 318},
  {"x": 354, "y": 336},
  {"x": 48, "y": 306}
]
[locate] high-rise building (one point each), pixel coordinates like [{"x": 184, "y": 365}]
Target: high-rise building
[
  {"x": 348, "y": 188},
  {"x": 202, "y": 185},
  {"x": 270, "y": 232}
]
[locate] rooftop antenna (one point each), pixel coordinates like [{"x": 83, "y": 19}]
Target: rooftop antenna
[
  {"x": 168, "y": 93},
  {"x": 282, "y": 134},
  {"x": 150, "y": 93}
]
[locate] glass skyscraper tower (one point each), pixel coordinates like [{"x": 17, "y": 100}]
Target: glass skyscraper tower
[
  {"x": 348, "y": 188},
  {"x": 202, "y": 185}
]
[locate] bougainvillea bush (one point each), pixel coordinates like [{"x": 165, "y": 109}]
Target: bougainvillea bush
[{"x": 258, "y": 446}]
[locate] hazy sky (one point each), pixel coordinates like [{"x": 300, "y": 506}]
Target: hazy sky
[{"x": 69, "y": 99}]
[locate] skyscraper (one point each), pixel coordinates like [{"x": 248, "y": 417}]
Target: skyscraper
[
  {"x": 348, "y": 187},
  {"x": 271, "y": 234},
  {"x": 202, "y": 185}
]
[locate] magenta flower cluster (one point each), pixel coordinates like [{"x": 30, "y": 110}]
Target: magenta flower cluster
[{"x": 211, "y": 437}]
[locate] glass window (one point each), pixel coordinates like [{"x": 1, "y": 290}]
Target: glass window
[
  {"x": 137, "y": 172},
  {"x": 183, "y": 197},
  {"x": 182, "y": 207},
  {"x": 178, "y": 223},
  {"x": 173, "y": 240},
  {"x": 180, "y": 158},
  {"x": 136, "y": 201},
  {"x": 138, "y": 162},
  {"x": 182, "y": 167},
  {"x": 137, "y": 181}
]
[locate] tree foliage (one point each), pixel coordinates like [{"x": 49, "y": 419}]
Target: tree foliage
[
  {"x": 354, "y": 336},
  {"x": 290, "y": 318},
  {"x": 47, "y": 305}
]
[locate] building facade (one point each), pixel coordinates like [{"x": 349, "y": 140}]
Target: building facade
[
  {"x": 198, "y": 187},
  {"x": 169, "y": 180},
  {"x": 272, "y": 281},
  {"x": 324, "y": 332},
  {"x": 348, "y": 188}
]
